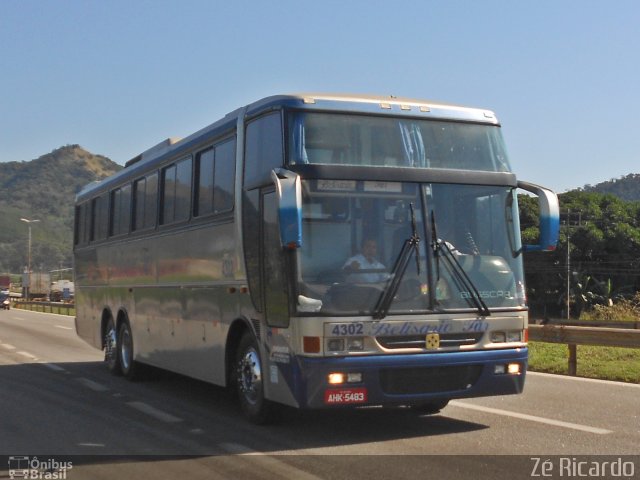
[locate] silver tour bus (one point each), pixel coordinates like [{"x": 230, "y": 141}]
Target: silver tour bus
[{"x": 316, "y": 251}]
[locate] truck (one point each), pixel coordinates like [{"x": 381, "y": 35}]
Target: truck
[
  {"x": 5, "y": 282},
  {"x": 39, "y": 286}
]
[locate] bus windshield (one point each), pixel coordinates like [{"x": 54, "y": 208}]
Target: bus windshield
[
  {"x": 354, "y": 232},
  {"x": 340, "y": 139}
]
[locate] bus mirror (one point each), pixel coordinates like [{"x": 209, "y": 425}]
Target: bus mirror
[
  {"x": 289, "y": 194},
  {"x": 549, "y": 217}
]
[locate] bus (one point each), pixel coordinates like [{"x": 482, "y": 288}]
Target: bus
[{"x": 316, "y": 251}]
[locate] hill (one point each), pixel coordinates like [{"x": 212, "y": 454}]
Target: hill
[
  {"x": 44, "y": 189},
  {"x": 625, "y": 188}
]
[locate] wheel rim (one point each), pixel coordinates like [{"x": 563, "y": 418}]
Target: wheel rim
[
  {"x": 250, "y": 376},
  {"x": 110, "y": 344},
  {"x": 126, "y": 349}
]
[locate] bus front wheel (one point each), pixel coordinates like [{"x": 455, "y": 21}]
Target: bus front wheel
[
  {"x": 249, "y": 381},
  {"x": 430, "y": 408}
]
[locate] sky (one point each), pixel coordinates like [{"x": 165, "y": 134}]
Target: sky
[{"x": 119, "y": 76}]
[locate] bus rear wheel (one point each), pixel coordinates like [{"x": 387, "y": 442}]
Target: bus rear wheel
[
  {"x": 129, "y": 367},
  {"x": 249, "y": 382},
  {"x": 111, "y": 356}
]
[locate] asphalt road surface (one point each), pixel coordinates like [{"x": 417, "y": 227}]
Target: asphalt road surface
[{"x": 59, "y": 407}]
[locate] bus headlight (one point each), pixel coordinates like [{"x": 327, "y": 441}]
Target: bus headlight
[
  {"x": 335, "y": 345},
  {"x": 510, "y": 368},
  {"x": 338, "y": 378},
  {"x": 513, "y": 369},
  {"x": 514, "y": 336},
  {"x": 344, "y": 344},
  {"x": 498, "y": 337},
  {"x": 510, "y": 336},
  {"x": 355, "y": 344}
]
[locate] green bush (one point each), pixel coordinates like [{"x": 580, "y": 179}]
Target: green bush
[{"x": 624, "y": 310}]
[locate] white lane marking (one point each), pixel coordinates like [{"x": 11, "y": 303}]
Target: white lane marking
[
  {"x": 237, "y": 449},
  {"x": 63, "y": 327},
  {"x": 27, "y": 355},
  {"x": 267, "y": 462},
  {"x": 583, "y": 379},
  {"x": 532, "y": 418},
  {"x": 154, "y": 412},
  {"x": 95, "y": 386},
  {"x": 53, "y": 366},
  {"x": 7, "y": 346}
]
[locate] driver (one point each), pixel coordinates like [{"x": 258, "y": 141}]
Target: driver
[{"x": 366, "y": 260}]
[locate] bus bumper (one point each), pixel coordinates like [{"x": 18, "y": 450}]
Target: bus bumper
[{"x": 410, "y": 379}]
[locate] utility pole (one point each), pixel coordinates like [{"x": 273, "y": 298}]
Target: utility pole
[
  {"x": 28, "y": 289},
  {"x": 568, "y": 264},
  {"x": 573, "y": 348}
]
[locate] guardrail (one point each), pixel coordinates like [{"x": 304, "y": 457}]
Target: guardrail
[
  {"x": 47, "y": 307},
  {"x": 588, "y": 323},
  {"x": 579, "y": 335}
]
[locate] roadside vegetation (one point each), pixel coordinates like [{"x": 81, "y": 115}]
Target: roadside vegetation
[
  {"x": 607, "y": 363},
  {"x": 622, "y": 310}
]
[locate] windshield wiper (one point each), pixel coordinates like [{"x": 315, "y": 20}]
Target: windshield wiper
[
  {"x": 410, "y": 245},
  {"x": 463, "y": 281}
]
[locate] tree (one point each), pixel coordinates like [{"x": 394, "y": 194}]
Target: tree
[{"x": 603, "y": 235}]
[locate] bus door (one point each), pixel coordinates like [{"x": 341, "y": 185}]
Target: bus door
[
  {"x": 278, "y": 359},
  {"x": 274, "y": 280}
]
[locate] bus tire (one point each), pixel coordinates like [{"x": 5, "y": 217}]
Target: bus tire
[
  {"x": 430, "y": 408},
  {"x": 128, "y": 366},
  {"x": 111, "y": 357},
  {"x": 249, "y": 381}
]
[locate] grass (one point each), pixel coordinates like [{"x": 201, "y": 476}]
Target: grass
[{"x": 606, "y": 363}]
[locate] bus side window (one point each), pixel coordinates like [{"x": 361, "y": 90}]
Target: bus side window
[
  {"x": 263, "y": 150},
  {"x": 98, "y": 218},
  {"x": 224, "y": 176},
  {"x": 145, "y": 202},
  {"x": 176, "y": 192},
  {"x": 82, "y": 224},
  {"x": 76, "y": 225},
  {"x": 204, "y": 183},
  {"x": 120, "y": 210},
  {"x": 214, "y": 179},
  {"x": 251, "y": 227}
]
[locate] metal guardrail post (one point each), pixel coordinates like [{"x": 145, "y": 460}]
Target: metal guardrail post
[{"x": 573, "y": 359}]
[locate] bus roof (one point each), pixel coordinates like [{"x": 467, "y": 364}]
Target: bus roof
[
  {"x": 336, "y": 102},
  {"x": 380, "y": 103}
]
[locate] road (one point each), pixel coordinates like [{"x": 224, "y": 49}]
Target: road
[{"x": 57, "y": 402}]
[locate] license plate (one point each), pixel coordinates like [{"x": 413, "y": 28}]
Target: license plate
[{"x": 345, "y": 396}]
